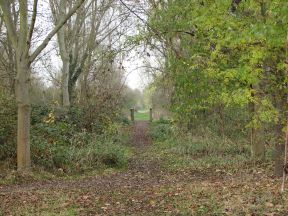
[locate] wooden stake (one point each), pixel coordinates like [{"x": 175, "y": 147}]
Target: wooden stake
[{"x": 132, "y": 114}]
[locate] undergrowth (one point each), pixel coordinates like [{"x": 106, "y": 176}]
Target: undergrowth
[
  {"x": 224, "y": 178},
  {"x": 61, "y": 145},
  {"x": 204, "y": 150}
]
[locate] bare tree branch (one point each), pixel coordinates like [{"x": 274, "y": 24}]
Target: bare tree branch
[
  {"x": 34, "y": 16},
  {"x": 55, "y": 30},
  {"x": 9, "y": 21}
]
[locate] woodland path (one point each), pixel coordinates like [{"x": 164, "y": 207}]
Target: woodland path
[
  {"x": 142, "y": 189},
  {"x": 146, "y": 187}
]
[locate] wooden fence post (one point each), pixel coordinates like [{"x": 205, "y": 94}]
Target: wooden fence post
[
  {"x": 132, "y": 114},
  {"x": 151, "y": 116}
]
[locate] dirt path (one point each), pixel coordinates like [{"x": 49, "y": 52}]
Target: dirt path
[
  {"x": 146, "y": 188},
  {"x": 140, "y": 141},
  {"x": 141, "y": 137},
  {"x": 129, "y": 192}
]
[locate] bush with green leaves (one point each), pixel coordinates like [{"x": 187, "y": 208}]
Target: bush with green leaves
[
  {"x": 39, "y": 112},
  {"x": 8, "y": 119},
  {"x": 161, "y": 130},
  {"x": 99, "y": 152},
  {"x": 60, "y": 139},
  {"x": 60, "y": 145}
]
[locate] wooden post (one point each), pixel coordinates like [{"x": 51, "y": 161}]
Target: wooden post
[
  {"x": 132, "y": 114},
  {"x": 151, "y": 116}
]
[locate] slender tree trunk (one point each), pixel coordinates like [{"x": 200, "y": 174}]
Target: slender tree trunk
[
  {"x": 84, "y": 85},
  {"x": 280, "y": 101},
  {"x": 11, "y": 68},
  {"x": 285, "y": 167},
  {"x": 257, "y": 144},
  {"x": 24, "y": 110},
  {"x": 279, "y": 154},
  {"x": 65, "y": 59},
  {"x": 84, "y": 88},
  {"x": 257, "y": 148},
  {"x": 65, "y": 82},
  {"x": 222, "y": 120}
]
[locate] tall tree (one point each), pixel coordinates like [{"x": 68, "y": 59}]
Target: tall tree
[
  {"x": 20, "y": 38},
  {"x": 78, "y": 39},
  {"x": 233, "y": 58}
]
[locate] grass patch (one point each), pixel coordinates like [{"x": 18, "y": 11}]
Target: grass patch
[
  {"x": 202, "y": 151},
  {"x": 142, "y": 115},
  {"x": 227, "y": 181}
]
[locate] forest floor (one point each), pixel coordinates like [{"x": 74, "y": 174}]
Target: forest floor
[{"x": 146, "y": 187}]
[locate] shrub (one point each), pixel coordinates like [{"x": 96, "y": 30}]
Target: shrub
[
  {"x": 103, "y": 152},
  {"x": 124, "y": 120},
  {"x": 8, "y": 120},
  {"x": 51, "y": 143},
  {"x": 161, "y": 130},
  {"x": 99, "y": 153},
  {"x": 38, "y": 113},
  {"x": 60, "y": 140},
  {"x": 62, "y": 145}
]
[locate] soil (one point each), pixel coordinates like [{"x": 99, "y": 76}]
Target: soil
[{"x": 126, "y": 192}]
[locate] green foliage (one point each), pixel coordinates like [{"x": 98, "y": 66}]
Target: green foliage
[
  {"x": 8, "y": 119},
  {"x": 228, "y": 59},
  {"x": 61, "y": 146},
  {"x": 59, "y": 139},
  {"x": 99, "y": 153},
  {"x": 203, "y": 150},
  {"x": 226, "y": 72},
  {"x": 124, "y": 120},
  {"x": 161, "y": 130},
  {"x": 39, "y": 112}
]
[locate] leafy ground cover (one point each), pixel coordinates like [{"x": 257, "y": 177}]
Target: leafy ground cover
[{"x": 166, "y": 176}]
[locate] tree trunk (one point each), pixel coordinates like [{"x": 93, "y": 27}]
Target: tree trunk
[
  {"x": 84, "y": 96},
  {"x": 280, "y": 104},
  {"x": 65, "y": 68},
  {"x": 257, "y": 144},
  {"x": 279, "y": 156},
  {"x": 65, "y": 82},
  {"x": 221, "y": 114},
  {"x": 24, "y": 110},
  {"x": 64, "y": 53}
]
